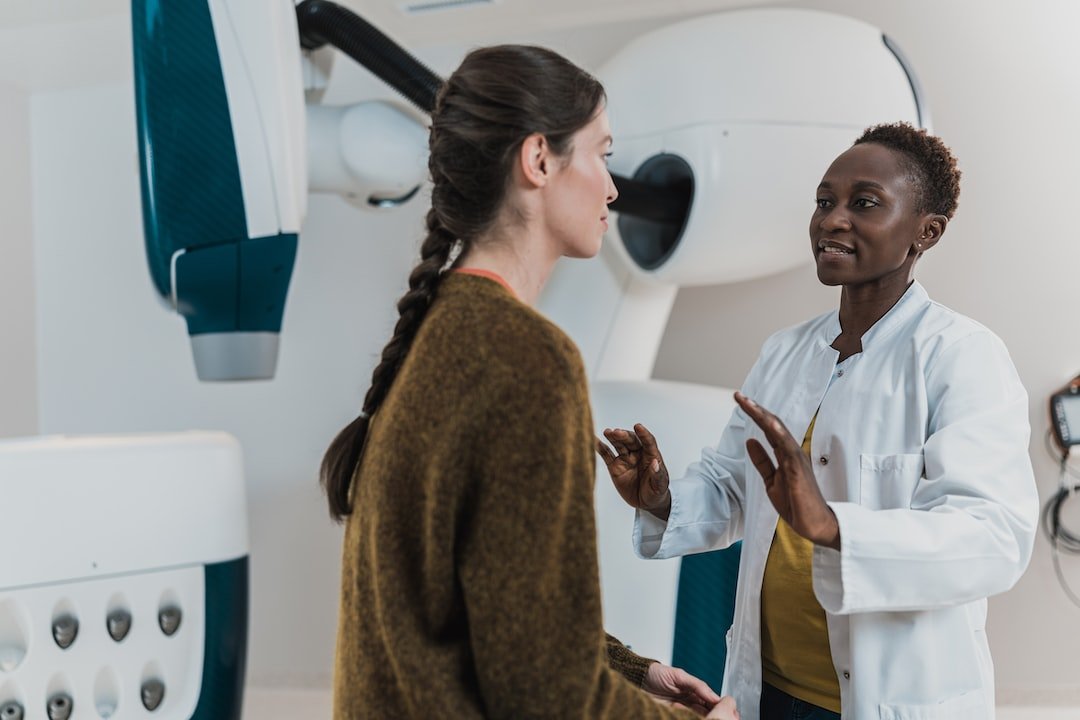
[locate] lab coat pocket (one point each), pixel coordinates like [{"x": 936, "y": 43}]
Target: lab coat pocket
[
  {"x": 887, "y": 482},
  {"x": 969, "y": 706}
]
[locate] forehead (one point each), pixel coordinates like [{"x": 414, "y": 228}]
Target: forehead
[
  {"x": 870, "y": 162},
  {"x": 598, "y": 128}
]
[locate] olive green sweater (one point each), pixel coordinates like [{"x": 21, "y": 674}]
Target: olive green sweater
[{"x": 469, "y": 573}]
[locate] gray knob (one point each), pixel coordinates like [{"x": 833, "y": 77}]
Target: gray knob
[
  {"x": 59, "y": 707},
  {"x": 119, "y": 624},
  {"x": 64, "y": 630},
  {"x": 11, "y": 710},
  {"x": 169, "y": 619},
  {"x": 153, "y": 692}
]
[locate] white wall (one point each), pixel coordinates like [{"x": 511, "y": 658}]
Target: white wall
[
  {"x": 18, "y": 338},
  {"x": 1004, "y": 88}
]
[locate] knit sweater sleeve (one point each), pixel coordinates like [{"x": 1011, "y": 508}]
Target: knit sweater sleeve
[
  {"x": 528, "y": 561},
  {"x": 626, "y": 662}
]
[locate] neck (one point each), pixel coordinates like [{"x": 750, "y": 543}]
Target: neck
[
  {"x": 521, "y": 263},
  {"x": 861, "y": 306}
]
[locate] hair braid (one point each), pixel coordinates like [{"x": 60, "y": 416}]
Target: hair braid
[{"x": 344, "y": 452}]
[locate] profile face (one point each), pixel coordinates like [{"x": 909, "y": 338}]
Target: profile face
[
  {"x": 581, "y": 190},
  {"x": 866, "y": 221}
]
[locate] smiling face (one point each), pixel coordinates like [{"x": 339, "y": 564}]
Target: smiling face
[
  {"x": 580, "y": 190},
  {"x": 867, "y": 231}
]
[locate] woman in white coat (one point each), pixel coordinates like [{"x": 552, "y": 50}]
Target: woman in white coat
[{"x": 876, "y": 469}]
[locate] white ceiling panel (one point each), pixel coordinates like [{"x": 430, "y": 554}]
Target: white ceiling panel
[{"x": 56, "y": 44}]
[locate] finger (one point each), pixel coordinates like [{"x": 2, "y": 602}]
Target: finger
[
  {"x": 605, "y": 452},
  {"x": 761, "y": 461},
  {"x": 702, "y": 693},
  {"x": 649, "y": 448},
  {"x": 776, "y": 432},
  {"x": 620, "y": 440},
  {"x": 630, "y": 439}
]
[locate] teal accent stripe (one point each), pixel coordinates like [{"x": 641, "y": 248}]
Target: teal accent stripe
[
  {"x": 236, "y": 287},
  {"x": 190, "y": 178},
  {"x": 704, "y": 611},
  {"x": 225, "y": 650}
]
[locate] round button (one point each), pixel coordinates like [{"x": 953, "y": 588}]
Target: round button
[
  {"x": 152, "y": 692},
  {"x": 59, "y": 707},
  {"x": 119, "y": 624},
  {"x": 64, "y": 630},
  {"x": 169, "y": 619},
  {"x": 840, "y": 373},
  {"x": 824, "y": 460},
  {"x": 847, "y": 675},
  {"x": 11, "y": 710}
]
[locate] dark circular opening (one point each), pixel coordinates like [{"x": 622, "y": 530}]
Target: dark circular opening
[{"x": 651, "y": 242}]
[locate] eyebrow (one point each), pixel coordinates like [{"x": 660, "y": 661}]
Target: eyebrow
[{"x": 858, "y": 185}]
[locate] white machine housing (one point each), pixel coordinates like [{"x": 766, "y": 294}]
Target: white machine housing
[
  {"x": 266, "y": 108},
  {"x": 758, "y": 104},
  {"x": 100, "y": 523}
]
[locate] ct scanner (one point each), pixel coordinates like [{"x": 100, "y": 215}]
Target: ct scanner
[{"x": 723, "y": 125}]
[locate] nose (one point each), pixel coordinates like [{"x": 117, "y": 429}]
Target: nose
[
  {"x": 834, "y": 220},
  {"x": 612, "y": 191}
]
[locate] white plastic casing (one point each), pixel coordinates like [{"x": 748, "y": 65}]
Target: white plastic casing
[
  {"x": 367, "y": 152},
  {"x": 100, "y": 523},
  {"x": 758, "y": 102},
  {"x": 259, "y": 48}
]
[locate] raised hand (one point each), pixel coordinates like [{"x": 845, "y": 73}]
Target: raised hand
[
  {"x": 637, "y": 469},
  {"x": 790, "y": 484}
]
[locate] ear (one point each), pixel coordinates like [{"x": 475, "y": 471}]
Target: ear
[
  {"x": 535, "y": 160},
  {"x": 930, "y": 231}
]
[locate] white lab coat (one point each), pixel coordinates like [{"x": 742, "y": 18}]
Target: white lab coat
[{"x": 921, "y": 450}]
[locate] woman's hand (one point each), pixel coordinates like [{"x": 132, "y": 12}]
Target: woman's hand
[
  {"x": 790, "y": 484},
  {"x": 677, "y": 687},
  {"x": 724, "y": 710},
  {"x": 637, "y": 469}
]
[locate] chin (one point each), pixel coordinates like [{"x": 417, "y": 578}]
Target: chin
[
  {"x": 828, "y": 279},
  {"x": 584, "y": 251}
]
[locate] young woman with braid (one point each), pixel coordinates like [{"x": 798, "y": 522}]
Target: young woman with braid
[{"x": 469, "y": 576}]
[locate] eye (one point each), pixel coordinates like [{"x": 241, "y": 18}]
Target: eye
[
  {"x": 865, "y": 202},
  {"x": 823, "y": 203},
  {"x": 607, "y": 156}
]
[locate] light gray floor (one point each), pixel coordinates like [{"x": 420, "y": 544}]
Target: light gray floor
[{"x": 273, "y": 704}]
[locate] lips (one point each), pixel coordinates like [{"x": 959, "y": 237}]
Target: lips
[{"x": 832, "y": 247}]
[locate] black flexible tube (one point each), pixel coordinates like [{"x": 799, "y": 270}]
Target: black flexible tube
[
  {"x": 667, "y": 204},
  {"x": 321, "y": 23}
]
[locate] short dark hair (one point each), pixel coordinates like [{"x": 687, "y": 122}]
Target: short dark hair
[{"x": 932, "y": 165}]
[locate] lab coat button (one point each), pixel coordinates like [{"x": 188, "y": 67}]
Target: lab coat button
[
  {"x": 839, "y": 373},
  {"x": 824, "y": 459},
  {"x": 847, "y": 675}
]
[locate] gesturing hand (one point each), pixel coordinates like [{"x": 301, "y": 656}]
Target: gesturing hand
[
  {"x": 637, "y": 469},
  {"x": 790, "y": 484}
]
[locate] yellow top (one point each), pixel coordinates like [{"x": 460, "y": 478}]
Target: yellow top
[{"x": 795, "y": 654}]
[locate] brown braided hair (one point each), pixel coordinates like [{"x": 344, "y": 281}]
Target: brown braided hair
[{"x": 496, "y": 98}]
